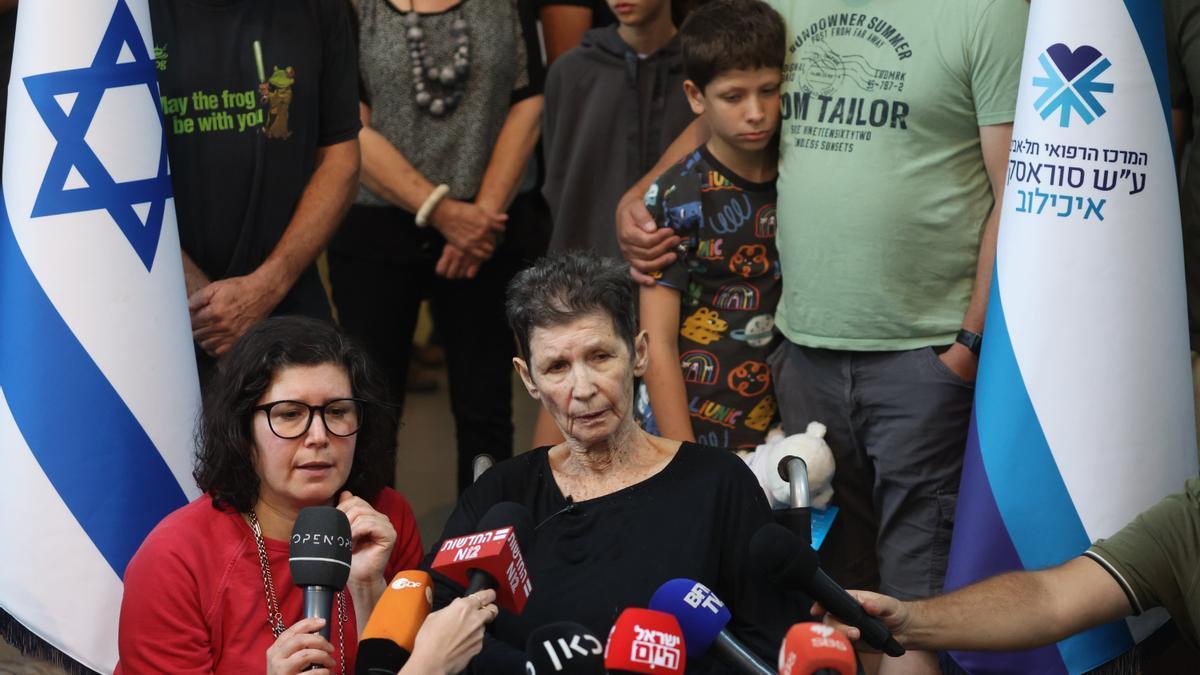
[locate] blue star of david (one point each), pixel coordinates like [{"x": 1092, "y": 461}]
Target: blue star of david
[{"x": 72, "y": 150}]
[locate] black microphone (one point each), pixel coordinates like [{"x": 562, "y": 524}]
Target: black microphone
[
  {"x": 564, "y": 647},
  {"x": 319, "y": 556},
  {"x": 791, "y": 564}
]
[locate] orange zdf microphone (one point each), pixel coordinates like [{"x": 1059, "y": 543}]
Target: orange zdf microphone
[
  {"x": 491, "y": 558},
  {"x": 816, "y": 649},
  {"x": 387, "y": 641},
  {"x": 645, "y": 641}
]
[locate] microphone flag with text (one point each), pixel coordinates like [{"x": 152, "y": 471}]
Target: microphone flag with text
[
  {"x": 491, "y": 558},
  {"x": 703, "y": 617},
  {"x": 564, "y": 647},
  {"x": 645, "y": 641},
  {"x": 98, "y": 385},
  {"x": 816, "y": 649},
  {"x": 1084, "y": 379},
  {"x": 387, "y": 641},
  {"x": 319, "y": 557}
]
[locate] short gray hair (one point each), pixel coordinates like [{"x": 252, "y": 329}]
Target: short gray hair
[{"x": 561, "y": 288}]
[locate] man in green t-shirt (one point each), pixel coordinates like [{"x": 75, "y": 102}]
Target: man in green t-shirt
[
  {"x": 897, "y": 121},
  {"x": 1151, "y": 562}
]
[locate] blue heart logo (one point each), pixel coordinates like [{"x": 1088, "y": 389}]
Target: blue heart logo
[{"x": 1071, "y": 63}]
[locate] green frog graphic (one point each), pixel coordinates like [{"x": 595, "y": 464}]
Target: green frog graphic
[{"x": 277, "y": 94}]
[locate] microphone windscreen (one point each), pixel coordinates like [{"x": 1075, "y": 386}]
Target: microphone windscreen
[
  {"x": 509, "y": 514},
  {"x": 812, "y": 647},
  {"x": 778, "y": 554},
  {"x": 700, "y": 613},
  {"x": 387, "y": 639},
  {"x": 645, "y": 641},
  {"x": 319, "y": 553},
  {"x": 564, "y": 647}
]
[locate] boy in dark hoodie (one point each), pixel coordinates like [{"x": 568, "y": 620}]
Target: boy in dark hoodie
[{"x": 613, "y": 105}]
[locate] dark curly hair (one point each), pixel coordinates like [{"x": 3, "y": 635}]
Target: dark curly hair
[{"x": 224, "y": 468}]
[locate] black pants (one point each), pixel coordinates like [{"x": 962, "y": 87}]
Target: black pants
[{"x": 378, "y": 291}]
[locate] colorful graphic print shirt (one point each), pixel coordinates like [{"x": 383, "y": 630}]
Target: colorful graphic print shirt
[{"x": 728, "y": 279}]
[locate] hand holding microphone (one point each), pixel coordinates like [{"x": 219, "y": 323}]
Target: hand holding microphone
[
  {"x": 319, "y": 558},
  {"x": 453, "y": 635},
  {"x": 791, "y": 564},
  {"x": 894, "y": 614}
]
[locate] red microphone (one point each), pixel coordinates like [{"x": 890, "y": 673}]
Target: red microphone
[
  {"x": 645, "y": 641},
  {"x": 814, "y": 648},
  {"x": 492, "y": 557}
]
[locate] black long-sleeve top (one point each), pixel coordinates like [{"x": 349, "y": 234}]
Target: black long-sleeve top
[{"x": 590, "y": 560}]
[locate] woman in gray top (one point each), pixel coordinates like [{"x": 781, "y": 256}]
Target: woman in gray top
[{"x": 451, "y": 93}]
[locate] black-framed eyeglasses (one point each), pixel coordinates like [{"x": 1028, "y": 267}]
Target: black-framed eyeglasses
[{"x": 291, "y": 419}]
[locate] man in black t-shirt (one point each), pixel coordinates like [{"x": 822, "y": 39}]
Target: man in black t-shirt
[{"x": 260, "y": 108}]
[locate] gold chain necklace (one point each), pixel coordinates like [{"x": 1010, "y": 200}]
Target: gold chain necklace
[{"x": 274, "y": 617}]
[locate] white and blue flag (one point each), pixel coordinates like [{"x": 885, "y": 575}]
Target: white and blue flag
[
  {"x": 98, "y": 385},
  {"x": 1083, "y": 408}
]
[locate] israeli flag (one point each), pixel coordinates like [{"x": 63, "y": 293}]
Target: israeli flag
[
  {"x": 98, "y": 385},
  {"x": 1083, "y": 412}
]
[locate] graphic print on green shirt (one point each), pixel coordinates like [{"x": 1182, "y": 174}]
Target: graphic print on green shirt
[
  {"x": 728, "y": 282},
  {"x": 883, "y": 192}
]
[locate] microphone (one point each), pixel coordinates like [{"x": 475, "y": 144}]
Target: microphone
[
  {"x": 703, "y": 618},
  {"x": 491, "y": 558},
  {"x": 790, "y": 564},
  {"x": 816, "y": 649},
  {"x": 387, "y": 640},
  {"x": 319, "y": 556},
  {"x": 564, "y": 647},
  {"x": 645, "y": 641}
]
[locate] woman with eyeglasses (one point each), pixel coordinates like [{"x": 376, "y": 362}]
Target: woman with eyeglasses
[{"x": 295, "y": 417}]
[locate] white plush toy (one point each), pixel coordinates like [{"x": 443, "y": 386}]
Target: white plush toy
[{"x": 809, "y": 446}]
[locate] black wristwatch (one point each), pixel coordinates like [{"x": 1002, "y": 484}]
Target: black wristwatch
[{"x": 972, "y": 341}]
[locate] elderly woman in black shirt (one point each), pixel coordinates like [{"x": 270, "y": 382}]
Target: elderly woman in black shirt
[{"x": 618, "y": 511}]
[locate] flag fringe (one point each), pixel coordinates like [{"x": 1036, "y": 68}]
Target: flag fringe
[{"x": 31, "y": 646}]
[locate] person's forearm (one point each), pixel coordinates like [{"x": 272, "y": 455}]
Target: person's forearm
[
  {"x": 1018, "y": 610},
  {"x": 389, "y": 174},
  {"x": 317, "y": 216},
  {"x": 668, "y": 394},
  {"x": 510, "y": 155},
  {"x": 194, "y": 278},
  {"x": 365, "y": 596},
  {"x": 1007, "y": 612},
  {"x": 976, "y": 313},
  {"x": 563, "y": 27}
]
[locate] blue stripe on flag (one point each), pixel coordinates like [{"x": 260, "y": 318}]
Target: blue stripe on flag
[
  {"x": 1147, "y": 18},
  {"x": 93, "y": 450},
  {"x": 1030, "y": 494},
  {"x": 981, "y": 548}
]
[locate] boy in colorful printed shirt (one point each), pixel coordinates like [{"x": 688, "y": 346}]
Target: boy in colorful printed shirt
[{"x": 710, "y": 318}]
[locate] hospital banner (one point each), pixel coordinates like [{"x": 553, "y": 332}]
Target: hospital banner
[{"x": 1083, "y": 407}]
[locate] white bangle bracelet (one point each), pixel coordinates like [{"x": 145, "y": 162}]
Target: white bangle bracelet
[{"x": 431, "y": 202}]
